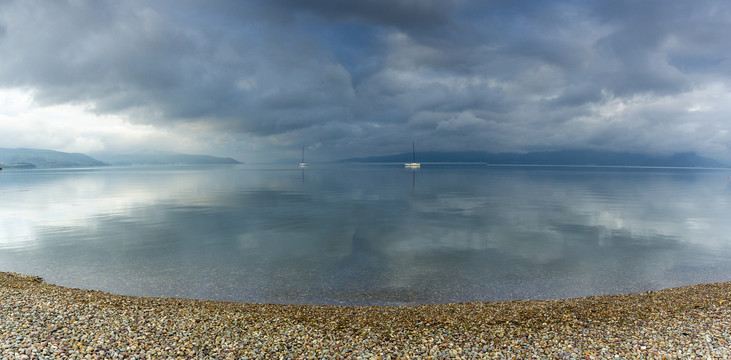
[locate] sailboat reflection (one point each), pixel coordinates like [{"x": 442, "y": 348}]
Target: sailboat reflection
[
  {"x": 413, "y": 180},
  {"x": 413, "y": 176}
]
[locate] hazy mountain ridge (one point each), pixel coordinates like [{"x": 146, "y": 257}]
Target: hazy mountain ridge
[
  {"x": 165, "y": 158},
  {"x": 47, "y": 158},
  {"x": 40, "y": 158},
  {"x": 561, "y": 157}
]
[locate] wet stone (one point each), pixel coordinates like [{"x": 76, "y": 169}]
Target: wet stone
[{"x": 39, "y": 320}]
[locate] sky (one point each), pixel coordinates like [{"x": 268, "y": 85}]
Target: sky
[{"x": 259, "y": 80}]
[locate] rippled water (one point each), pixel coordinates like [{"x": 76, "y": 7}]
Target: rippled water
[{"x": 367, "y": 234}]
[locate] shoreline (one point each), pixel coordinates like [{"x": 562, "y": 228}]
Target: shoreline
[{"x": 38, "y": 319}]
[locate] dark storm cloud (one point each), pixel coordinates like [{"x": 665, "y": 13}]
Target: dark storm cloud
[
  {"x": 407, "y": 14},
  {"x": 368, "y": 76}
]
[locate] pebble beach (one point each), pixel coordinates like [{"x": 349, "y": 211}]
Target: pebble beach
[{"x": 44, "y": 321}]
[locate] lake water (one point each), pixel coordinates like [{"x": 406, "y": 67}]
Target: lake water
[{"x": 367, "y": 234}]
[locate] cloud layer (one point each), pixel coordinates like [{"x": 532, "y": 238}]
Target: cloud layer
[{"x": 260, "y": 79}]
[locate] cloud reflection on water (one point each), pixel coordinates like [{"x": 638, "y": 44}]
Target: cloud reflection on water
[{"x": 363, "y": 235}]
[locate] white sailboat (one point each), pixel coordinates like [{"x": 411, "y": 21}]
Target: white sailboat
[
  {"x": 303, "y": 163},
  {"x": 413, "y": 164}
]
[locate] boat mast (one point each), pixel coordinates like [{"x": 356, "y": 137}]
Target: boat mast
[
  {"x": 303, "y": 154},
  {"x": 413, "y": 151}
]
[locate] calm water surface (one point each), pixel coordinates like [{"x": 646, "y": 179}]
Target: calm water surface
[{"x": 367, "y": 234}]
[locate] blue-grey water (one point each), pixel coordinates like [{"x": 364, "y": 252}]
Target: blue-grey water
[{"x": 367, "y": 234}]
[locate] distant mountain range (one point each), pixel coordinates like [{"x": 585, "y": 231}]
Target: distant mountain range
[
  {"x": 164, "y": 158},
  {"x": 561, "y": 157},
  {"x": 38, "y": 158},
  {"x": 29, "y": 158}
]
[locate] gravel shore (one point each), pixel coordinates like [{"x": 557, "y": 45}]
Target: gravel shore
[{"x": 44, "y": 321}]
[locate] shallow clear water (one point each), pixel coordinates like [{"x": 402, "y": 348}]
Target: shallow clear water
[{"x": 367, "y": 234}]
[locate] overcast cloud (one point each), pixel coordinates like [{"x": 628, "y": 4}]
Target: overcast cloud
[{"x": 258, "y": 80}]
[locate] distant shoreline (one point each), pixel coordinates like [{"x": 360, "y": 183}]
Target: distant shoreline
[
  {"x": 47, "y": 320},
  {"x": 559, "y": 157},
  {"x": 537, "y": 165}
]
